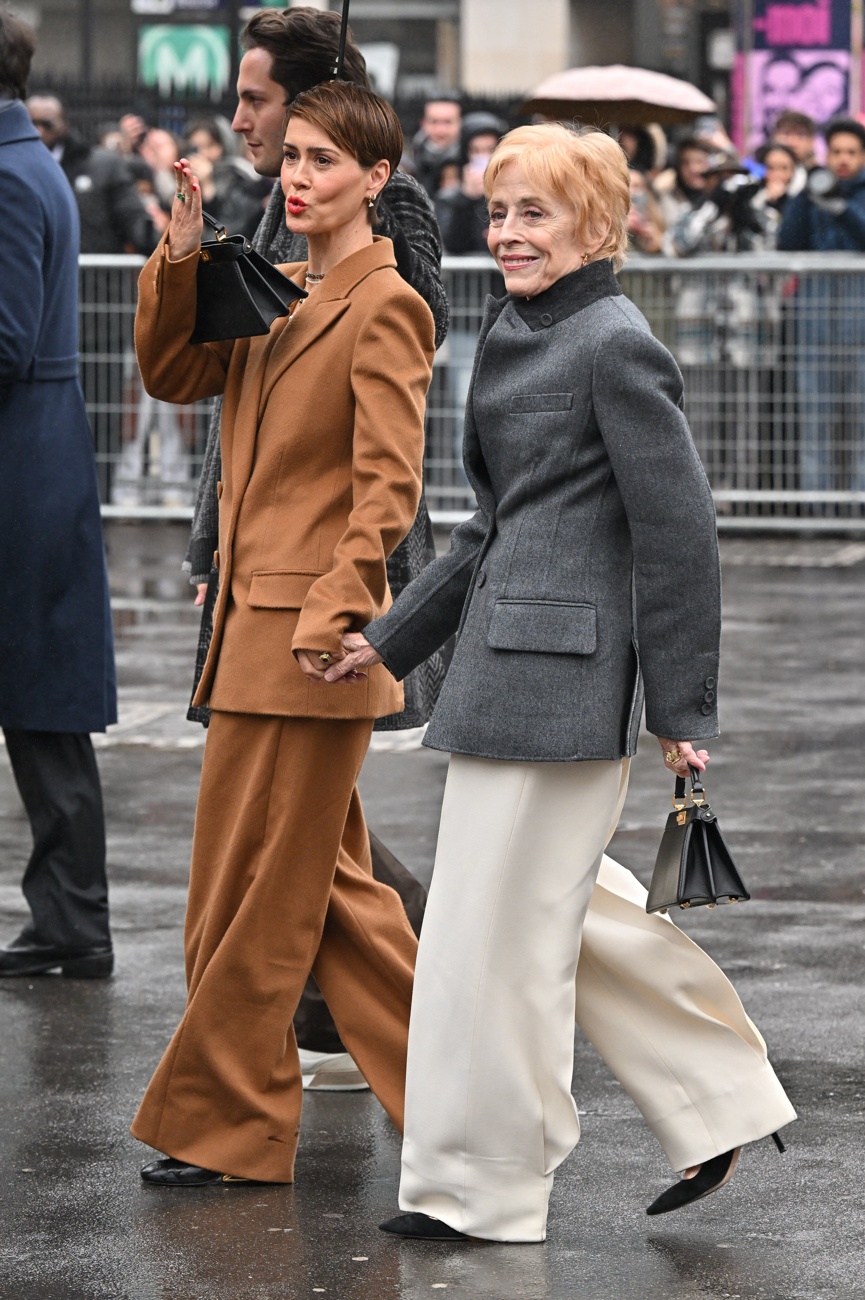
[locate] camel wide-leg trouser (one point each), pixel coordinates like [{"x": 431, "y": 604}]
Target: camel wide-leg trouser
[
  {"x": 489, "y": 1113},
  {"x": 281, "y": 884}
]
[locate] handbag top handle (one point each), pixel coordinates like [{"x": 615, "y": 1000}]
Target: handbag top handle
[
  {"x": 214, "y": 225},
  {"x": 696, "y": 788},
  {"x": 336, "y": 70}
]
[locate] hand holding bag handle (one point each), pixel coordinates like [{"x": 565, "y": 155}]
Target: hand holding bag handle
[
  {"x": 694, "y": 867},
  {"x": 239, "y": 293}
]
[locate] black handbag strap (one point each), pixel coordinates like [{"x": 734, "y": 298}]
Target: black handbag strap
[
  {"x": 696, "y": 785},
  {"x": 214, "y": 224}
]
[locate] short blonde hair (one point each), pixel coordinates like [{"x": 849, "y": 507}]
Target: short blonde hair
[{"x": 584, "y": 168}]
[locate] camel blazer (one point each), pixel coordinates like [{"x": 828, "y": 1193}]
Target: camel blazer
[{"x": 322, "y": 456}]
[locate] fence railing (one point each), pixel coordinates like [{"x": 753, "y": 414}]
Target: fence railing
[{"x": 772, "y": 348}]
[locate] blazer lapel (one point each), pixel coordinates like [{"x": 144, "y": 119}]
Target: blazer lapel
[{"x": 307, "y": 322}]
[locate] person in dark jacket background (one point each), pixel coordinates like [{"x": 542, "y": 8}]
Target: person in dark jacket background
[
  {"x": 829, "y": 216},
  {"x": 462, "y": 211},
  {"x": 113, "y": 218},
  {"x": 57, "y": 681}
]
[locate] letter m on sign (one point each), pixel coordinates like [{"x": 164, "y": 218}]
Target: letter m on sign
[{"x": 177, "y": 57}]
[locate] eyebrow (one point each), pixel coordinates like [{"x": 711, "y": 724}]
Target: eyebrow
[{"x": 312, "y": 149}]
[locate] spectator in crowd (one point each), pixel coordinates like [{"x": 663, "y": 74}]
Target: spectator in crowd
[
  {"x": 645, "y": 218},
  {"x": 231, "y": 191},
  {"x": 113, "y": 218},
  {"x": 462, "y": 211},
  {"x": 437, "y": 140},
  {"x": 57, "y": 680},
  {"x": 829, "y": 216},
  {"x": 682, "y": 187},
  {"x": 160, "y": 150},
  {"x": 798, "y": 133},
  {"x": 780, "y": 173},
  {"x": 645, "y": 148}
]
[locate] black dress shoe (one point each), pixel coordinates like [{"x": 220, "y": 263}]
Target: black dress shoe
[
  {"x": 713, "y": 1174},
  {"x": 423, "y": 1227},
  {"x": 24, "y": 957},
  {"x": 176, "y": 1173}
]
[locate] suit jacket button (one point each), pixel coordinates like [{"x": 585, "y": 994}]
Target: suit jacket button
[
  {"x": 709, "y": 696},
  {"x": 707, "y": 709},
  {"x": 546, "y": 319},
  {"x": 481, "y": 579},
  {"x": 710, "y": 682}
]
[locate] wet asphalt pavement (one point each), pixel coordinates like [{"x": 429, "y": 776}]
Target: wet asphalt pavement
[{"x": 787, "y": 783}]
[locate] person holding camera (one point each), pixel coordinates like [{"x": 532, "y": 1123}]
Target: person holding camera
[{"x": 829, "y": 216}]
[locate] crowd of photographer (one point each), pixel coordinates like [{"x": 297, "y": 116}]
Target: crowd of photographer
[{"x": 705, "y": 200}]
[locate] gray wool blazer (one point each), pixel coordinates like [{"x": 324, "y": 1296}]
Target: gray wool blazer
[{"x": 590, "y": 572}]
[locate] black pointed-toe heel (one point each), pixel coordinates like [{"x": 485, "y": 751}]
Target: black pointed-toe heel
[
  {"x": 422, "y": 1227},
  {"x": 711, "y": 1177}
]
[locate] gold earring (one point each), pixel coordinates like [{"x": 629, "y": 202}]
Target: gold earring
[
  {"x": 585, "y": 258},
  {"x": 372, "y": 199}
]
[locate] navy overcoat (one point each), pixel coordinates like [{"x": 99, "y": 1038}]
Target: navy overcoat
[{"x": 56, "y": 648}]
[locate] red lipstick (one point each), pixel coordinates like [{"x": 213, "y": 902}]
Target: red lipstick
[{"x": 295, "y": 205}]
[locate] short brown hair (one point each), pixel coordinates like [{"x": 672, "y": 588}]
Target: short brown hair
[
  {"x": 584, "y": 168},
  {"x": 792, "y": 120},
  {"x": 303, "y": 44},
  {"x": 356, "y": 120},
  {"x": 17, "y": 43}
]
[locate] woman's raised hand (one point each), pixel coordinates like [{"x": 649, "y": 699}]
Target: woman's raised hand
[
  {"x": 678, "y": 754},
  {"x": 187, "y": 223},
  {"x": 358, "y": 654}
]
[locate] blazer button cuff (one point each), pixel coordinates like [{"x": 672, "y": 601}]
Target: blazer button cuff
[{"x": 706, "y": 710}]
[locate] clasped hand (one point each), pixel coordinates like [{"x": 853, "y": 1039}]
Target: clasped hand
[{"x": 345, "y": 666}]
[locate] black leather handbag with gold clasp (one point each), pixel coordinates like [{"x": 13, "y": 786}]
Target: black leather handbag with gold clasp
[
  {"x": 693, "y": 867},
  {"x": 239, "y": 292}
]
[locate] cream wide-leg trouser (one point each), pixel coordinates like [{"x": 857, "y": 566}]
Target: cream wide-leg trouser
[{"x": 489, "y": 1111}]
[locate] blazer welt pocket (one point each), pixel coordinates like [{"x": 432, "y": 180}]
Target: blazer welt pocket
[
  {"x": 544, "y": 627},
  {"x": 281, "y": 589},
  {"x": 533, "y": 402}
]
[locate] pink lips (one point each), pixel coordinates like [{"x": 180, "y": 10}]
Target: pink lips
[{"x": 295, "y": 205}]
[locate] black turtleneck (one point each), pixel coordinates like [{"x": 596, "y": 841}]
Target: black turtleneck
[{"x": 569, "y": 295}]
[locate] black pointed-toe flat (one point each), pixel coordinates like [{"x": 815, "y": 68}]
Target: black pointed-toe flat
[
  {"x": 713, "y": 1174},
  {"x": 423, "y": 1228},
  {"x": 177, "y": 1173}
]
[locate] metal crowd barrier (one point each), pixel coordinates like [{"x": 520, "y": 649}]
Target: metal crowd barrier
[{"x": 772, "y": 348}]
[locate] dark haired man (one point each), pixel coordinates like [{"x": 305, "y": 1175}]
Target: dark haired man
[
  {"x": 56, "y": 651},
  {"x": 285, "y": 53},
  {"x": 438, "y": 139},
  {"x": 829, "y": 216},
  {"x": 798, "y": 132}
]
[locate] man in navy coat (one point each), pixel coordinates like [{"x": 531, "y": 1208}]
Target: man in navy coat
[{"x": 57, "y": 680}]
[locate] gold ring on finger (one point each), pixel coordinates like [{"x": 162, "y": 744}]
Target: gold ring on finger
[{"x": 672, "y": 755}]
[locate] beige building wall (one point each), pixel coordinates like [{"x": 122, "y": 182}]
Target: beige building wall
[{"x": 510, "y": 45}]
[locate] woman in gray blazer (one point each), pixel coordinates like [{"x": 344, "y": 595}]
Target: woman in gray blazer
[{"x": 566, "y": 590}]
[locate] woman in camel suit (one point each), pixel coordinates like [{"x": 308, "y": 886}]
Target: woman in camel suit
[{"x": 322, "y": 446}]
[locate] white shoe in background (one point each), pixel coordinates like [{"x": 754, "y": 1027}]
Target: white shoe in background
[{"x": 330, "y": 1072}]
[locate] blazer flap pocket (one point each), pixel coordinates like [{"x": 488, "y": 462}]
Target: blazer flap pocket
[
  {"x": 281, "y": 589},
  {"x": 542, "y": 402},
  {"x": 544, "y": 626}
]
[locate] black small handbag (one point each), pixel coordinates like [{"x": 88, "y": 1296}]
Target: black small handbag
[
  {"x": 693, "y": 867},
  {"x": 239, "y": 292}
]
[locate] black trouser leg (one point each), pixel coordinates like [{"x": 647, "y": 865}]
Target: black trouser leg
[
  {"x": 313, "y": 1023},
  {"x": 65, "y": 882}
]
